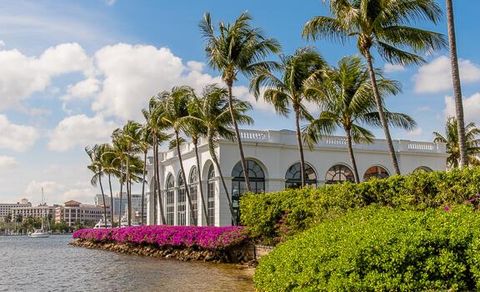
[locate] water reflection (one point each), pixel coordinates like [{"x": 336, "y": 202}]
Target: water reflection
[{"x": 52, "y": 265}]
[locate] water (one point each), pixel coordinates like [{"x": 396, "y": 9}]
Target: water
[{"x": 50, "y": 264}]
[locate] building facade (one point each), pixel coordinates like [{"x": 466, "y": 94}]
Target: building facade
[
  {"x": 273, "y": 164},
  {"x": 40, "y": 211},
  {"x": 5, "y": 208},
  {"x": 73, "y": 212}
]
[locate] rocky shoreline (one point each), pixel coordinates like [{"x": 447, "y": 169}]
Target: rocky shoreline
[{"x": 243, "y": 254}]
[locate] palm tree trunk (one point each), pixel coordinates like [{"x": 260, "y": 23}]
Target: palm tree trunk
[
  {"x": 129, "y": 198},
  {"x": 300, "y": 145},
  {"x": 457, "y": 89},
  {"x": 143, "y": 185},
  {"x": 237, "y": 136},
  {"x": 195, "y": 144},
  {"x": 352, "y": 156},
  {"x": 111, "y": 197},
  {"x": 215, "y": 160},
  {"x": 121, "y": 198},
  {"x": 187, "y": 190},
  {"x": 104, "y": 202},
  {"x": 383, "y": 120},
  {"x": 157, "y": 179}
]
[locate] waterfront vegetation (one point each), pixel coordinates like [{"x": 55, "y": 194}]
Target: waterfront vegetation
[{"x": 412, "y": 232}]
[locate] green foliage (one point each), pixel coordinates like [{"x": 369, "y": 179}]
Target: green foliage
[
  {"x": 272, "y": 217},
  {"x": 381, "y": 249}
]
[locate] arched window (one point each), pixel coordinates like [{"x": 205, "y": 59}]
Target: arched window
[
  {"x": 423, "y": 168},
  {"x": 256, "y": 176},
  {"x": 211, "y": 196},
  {"x": 193, "y": 187},
  {"x": 375, "y": 171},
  {"x": 339, "y": 173},
  {"x": 170, "y": 197},
  {"x": 181, "y": 202},
  {"x": 293, "y": 177}
]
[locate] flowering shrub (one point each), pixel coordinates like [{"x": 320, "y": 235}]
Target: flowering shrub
[{"x": 212, "y": 238}]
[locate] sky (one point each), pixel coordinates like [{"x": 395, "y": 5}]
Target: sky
[{"x": 73, "y": 71}]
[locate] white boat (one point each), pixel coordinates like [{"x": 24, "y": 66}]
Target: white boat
[
  {"x": 101, "y": 224},
  {"x": 39, "y": 233}
]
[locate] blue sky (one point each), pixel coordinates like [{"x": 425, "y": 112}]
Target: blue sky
[{"x": 72, "y": 71}]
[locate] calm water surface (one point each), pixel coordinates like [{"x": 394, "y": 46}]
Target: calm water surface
[{"x": 50, "y": 264}]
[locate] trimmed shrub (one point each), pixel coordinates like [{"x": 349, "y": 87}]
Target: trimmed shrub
[
  {"x": 272, "y": 217},
  {"x": 381, "y": 249}
]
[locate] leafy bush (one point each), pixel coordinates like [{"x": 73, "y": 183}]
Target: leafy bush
[
  {"x": 212, "y": 238},
  {"x": 381, "y": 249},
  {"x": 272, "y": 217}
]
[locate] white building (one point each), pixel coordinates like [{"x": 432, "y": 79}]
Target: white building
[
  {"x": 74, "y": 212},
  {"x": 273, "y": 164},
  {"x": 5, "y": 208}
]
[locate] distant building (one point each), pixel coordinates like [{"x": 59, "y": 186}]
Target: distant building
[
  {"x": 40, "y": 211},
  {"x": 136, "y": 204},
  {"x": 75, "y": 212},
  {"x": 5, "y": 208}
]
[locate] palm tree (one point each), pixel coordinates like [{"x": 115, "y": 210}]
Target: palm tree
[
  {"x": 175, "y": 110},
  {"x": 288, "y": 90},
  {"x": 384, "y": 25},
  {"x": 110, "y": 169},
  {"x": 130, "y": 134},
  {"x": 195, "y": 129},
  {"x": 155, "y": 127},
  {"x": 451, "y": 140},
  {"x": 237, "y": 47},
  {"x": 144, "y": 146},
  {"x": 212, "y": 110},
  {"x": 96, "y": 166},
  {"x": 457, "y": 89},
  {"x": 344, "y": 95}
]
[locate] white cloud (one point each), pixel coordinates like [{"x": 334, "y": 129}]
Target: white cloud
[
  {"x": 110, "y": 2},
  {"x": 80, "y": 130},
  {"x": 415, "y": 133},
  {"x": 7, "y": 162},
  {"x": 390, "y": 68},
  {"x": 21, "y": 75},
  {"x": 471, "y": 107},
  {"x": 436, "y": 76},
  {"x": 16, "y": 137},
  {"x": 82, "y": 89}
]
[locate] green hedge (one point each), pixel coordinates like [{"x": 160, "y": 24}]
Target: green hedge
[
  {"x": 379, "y": 249},
  {"x": 271, "y": 217}
]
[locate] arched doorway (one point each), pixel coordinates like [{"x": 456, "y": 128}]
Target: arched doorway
[
  {"x": 170, "y": 200},
  {"x": 181, "y": 201},
  {"x": 375, "y": 171},
  {"x": 256, "y": 176},
  {"x": 293, "y": 177},
  {"x": 211, "y": 196},
  {"x": 339, "y": 173},
  {"x": 193, "y": 188}
]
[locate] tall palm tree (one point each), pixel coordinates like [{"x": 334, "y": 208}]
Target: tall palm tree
[
  {"x": 237, "y": 47},
  {"x": 195, "y": 129},
  {"x": 212, "y": 110},
  {"x": 144, "y": 145},
  {"x": 383, "y": 25},
  {"x": 457, "y": 89},
  {"x": 344, "y": 95},
  {"x": 175, "y": 110},
  {"x": 451, "y": 140},
  {"x": 131, "y": 133},
  {"x": 96, "y": 166},
  {"x": 288, "y": 90},
  {"x": 110, "y": 169},
  {"x": 155, "y": 127}
]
